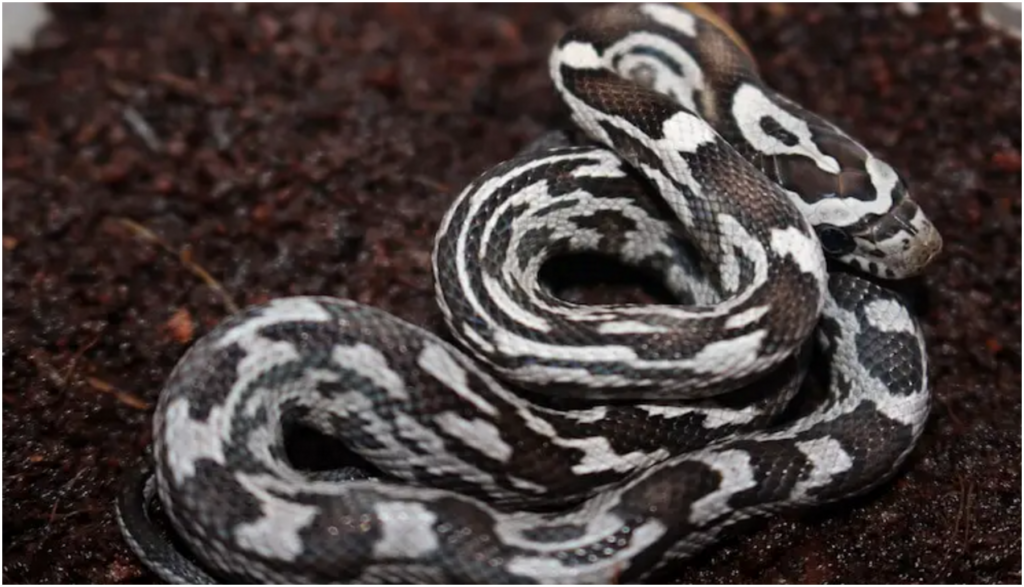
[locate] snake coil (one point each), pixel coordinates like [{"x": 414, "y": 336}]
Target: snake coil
[{"x": 648, "y": 429}]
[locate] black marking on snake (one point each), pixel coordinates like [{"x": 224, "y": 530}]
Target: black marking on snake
[
  {"x": 773, "y": 128},
  {"x": 654, "y": 52},
  {"x": 660, "y": 427},
  {"x": 562, "y": 204}
]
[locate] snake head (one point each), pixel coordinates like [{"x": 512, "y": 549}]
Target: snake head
[
  {"x": 894, "y": 244},
  {"x": 860, "y": 207}
]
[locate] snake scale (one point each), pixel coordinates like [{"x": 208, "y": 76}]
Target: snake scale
[{"x": 635, "y": 434}]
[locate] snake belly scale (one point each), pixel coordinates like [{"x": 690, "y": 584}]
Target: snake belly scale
[{"x": 647, "y": 430}]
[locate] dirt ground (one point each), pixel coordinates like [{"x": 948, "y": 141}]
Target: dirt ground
[{"x": 163, "y": 165}]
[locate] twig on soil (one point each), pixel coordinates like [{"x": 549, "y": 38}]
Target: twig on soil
[
  {"x": 67, "y": 378},
  {"x": 961, "y": 526},
  {"x": 48, "y": 530},
  {"x": 126, "y": 398},
  {"x": 185, "y": 257},
  {"x": 142, "y": 128},
  {"x": 952, "y": 415},
  {"x": 431, "y": 183},
  {"x": 69, "y": 372},
  {"x": 966, "y": 505},
  {"x": 63, "y": 491}
]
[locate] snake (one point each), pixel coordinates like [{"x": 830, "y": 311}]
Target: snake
[{"x": 552, "y": 441}]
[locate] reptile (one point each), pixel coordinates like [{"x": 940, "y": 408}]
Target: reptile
[{"x": 564, "y": 442}]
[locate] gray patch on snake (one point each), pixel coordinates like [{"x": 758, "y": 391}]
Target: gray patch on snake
[
  {"x": 712, "y": 417},
  {"x": 477, "y": 434},
  {"x": 370, "y": 363},
  {"x": 407, "y": 530},
  {"x": 588, "y": 416},
  {"x": 275, "y": 312},
  {"x": 650, "y": 244},
  {"x": 611, "y": 223},
  {"x": 827, "y": 458},
  {"x": 563, "y": 225},
  {"x": 599, "y": 455},
  {"x": 590, "y": 448},
  {"x": 737, "y": 474},
  {"x": 276, "y": 533},
  {"x": 192, "y": 440},
  {"x": 888, "y": 316},
  {"x": 434, "y": 457},
  {"x": 437, "y": 362}
]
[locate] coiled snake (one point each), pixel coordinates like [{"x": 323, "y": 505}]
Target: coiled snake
[{"x": 641, "y": 431}]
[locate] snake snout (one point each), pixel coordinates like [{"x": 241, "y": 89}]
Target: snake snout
[{"x": 899, "y": 244}]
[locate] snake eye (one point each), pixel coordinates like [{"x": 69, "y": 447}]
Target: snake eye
[{"x": 835, "y": 241}]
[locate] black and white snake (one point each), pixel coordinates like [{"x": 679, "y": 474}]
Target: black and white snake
[{"x": 642, "y": 431}]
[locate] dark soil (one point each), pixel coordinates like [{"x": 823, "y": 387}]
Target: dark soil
[{"x": 151, "y": 153}]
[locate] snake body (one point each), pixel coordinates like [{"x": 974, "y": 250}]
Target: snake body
[{"x": 637, "y": 433}]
